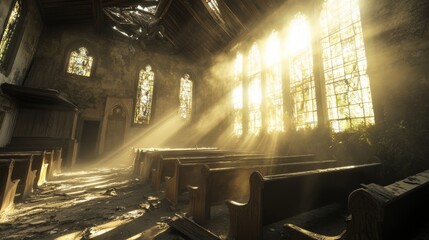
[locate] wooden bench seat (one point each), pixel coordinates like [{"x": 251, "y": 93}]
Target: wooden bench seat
[
  {"x": 39, "y": 163},
  {"x": 8, "y": 185},
  {"x": 230, "y": 183},
  {"x": 167, "y": 167},
  {"x": 153, "y": 160},
  {"x": 189, "y": 172},
  {"x": 395, "y": 211},
  {"x": 23, "y": 170},
  {"x": 58, "y": 160},
  {"x": 276, "y": 197},
  {"x": 142, "y": 155}
]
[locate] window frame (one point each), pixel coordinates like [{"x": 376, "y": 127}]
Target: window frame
[
  {"x": 13, "y": 47},
  {"x": 152, "y": 104},
  {"x": 312, "y": 13}
]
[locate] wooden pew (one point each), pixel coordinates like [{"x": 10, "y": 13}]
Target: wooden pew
[
  {"x": 141, "y": 156},
  {"x": 58, "y": 160},
  {"x": 39, "y": 163},
  {"x": 395, "y": 211},
  {"x": 189, "y": 172},
  {"x": 167, "y": 166},
  {"x": 49, "y": 157},
  {"x": 229, "y": 183},
  {"x": 153, "y": 160},
  {"x": 7, "y": 185},
  {"x": 276, "y": 197},
  {"x": 23, "y": 171}
]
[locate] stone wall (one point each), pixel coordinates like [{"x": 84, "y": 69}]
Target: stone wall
[
  {"x": 32, "y": 28},
  {"x": 117, "y": 62}
]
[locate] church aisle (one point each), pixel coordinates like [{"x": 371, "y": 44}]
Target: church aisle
[{"x": 99, "y": 203}]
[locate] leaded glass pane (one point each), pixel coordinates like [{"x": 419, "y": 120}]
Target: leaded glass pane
[
  {"x": 9, "y": 31},
  {"x": 347, "y": 83},
  {"x": 144, "y": 96},
  {"x": 237, "y": 97},
  {"x": 274, "y": 90},
  {"x": 302, "y": 86},
  {"x": 254, "y": 91},
  {"x": 80, "y": 63},
  {"x": 185, "y": 98}
]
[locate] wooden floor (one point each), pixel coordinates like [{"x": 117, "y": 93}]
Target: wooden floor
[{"x": 107, "y": 203}]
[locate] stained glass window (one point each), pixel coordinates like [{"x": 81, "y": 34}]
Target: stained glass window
[
  {"x": 185, "y": 98},
  {"x": 9, "y": 33},
  {"x": 144, "y": 96},
  {"x": 237, "y": 96},
  {"x": 254, "y": 90},
  {"x": 345, "y": 67},
  {"x": 274, "y": 90},
  {"x": 80, "y": 63},
  {"x": 302, "y": 86}
]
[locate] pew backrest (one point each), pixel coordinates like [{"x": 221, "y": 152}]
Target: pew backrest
[
  {"x": 395, "y": 211},
  {"x": 276, "y": 197}
]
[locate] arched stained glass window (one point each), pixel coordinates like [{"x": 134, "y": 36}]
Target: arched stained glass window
[
  {"x": 80, "y": 63},
  {"x": 237, "y": 96},
  {"x": 144, "y": 96},
  {"x": 254, "y": 91},
  {"x": 274, "y": 89},
  {"x": 185, "y": 98},
  {"x": 301, "y": 79},
  {"x": 347, "y": 84},
  {"x": 9, "y": 35}
]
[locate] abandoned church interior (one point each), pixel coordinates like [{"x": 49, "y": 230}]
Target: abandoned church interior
[{"x": 214, "y": 119}]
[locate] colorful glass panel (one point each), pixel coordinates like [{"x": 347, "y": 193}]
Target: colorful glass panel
[
  {"x": 237, "y": 97},
  {"x": 9, "y": 31},
  {"x": 185, "y": 98},
  {"x": 254, "y": 91},
  {"x": 144, "y": 96},
  {"x": 80, "y": 63},
  {"x": 345, "y": 67},
  {"x": 274, "y": 89},
  {"x": 302, "y": 86}
]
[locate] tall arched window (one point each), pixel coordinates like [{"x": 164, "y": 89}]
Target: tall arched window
[
  {"x": 185, "y": 98},
  {"x": 144, "y": 96},
  {"x": 254, "y": 91},
  {"x": 237, "y": 96},
  {"x": 302, "y": 86},
  {"x": 80, "y": 63},
  {"x": 347, "y": 84},
  {"x": 9, "y": 41},
  {"x": 274, "y": 89}
]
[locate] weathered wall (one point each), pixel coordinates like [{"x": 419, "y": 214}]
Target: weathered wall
[
  {"x": 32, "y": 28},
  {"x": 398, "y": 54},
  {"x": 117, "y": 62}
]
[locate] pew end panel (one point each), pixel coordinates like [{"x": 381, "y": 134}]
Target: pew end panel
[
  {"x": 276, "y": 197},
  {"x": 8, "y": 186},
  {"x": 244, "y": 218},
  {"x": 396, "y": 211}
]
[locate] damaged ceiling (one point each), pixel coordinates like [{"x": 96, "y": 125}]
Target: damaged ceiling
[{"x": 197, "y": 28}]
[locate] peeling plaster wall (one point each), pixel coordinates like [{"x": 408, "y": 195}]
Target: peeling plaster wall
[
  {"x": 117, "y": 63},
  {"x": 33, "y": 26}
]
